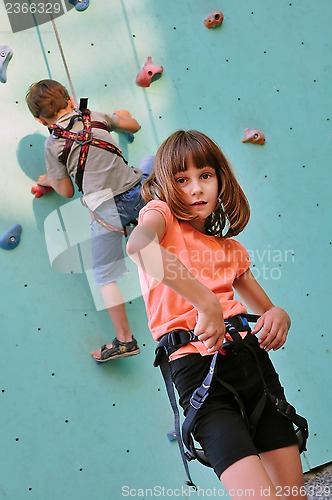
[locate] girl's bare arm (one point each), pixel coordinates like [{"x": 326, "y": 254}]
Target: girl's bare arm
[
  {"x": 144, "y": 249},
  {"x": 274, "y": 322}
]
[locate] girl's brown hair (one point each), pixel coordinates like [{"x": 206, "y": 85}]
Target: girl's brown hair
[
  {"x": 232, "y": 209},
  {"x": 46, "y": 98}
]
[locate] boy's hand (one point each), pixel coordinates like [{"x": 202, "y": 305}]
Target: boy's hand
[
  {"x": 43, "y": 181},
  {"x": 126, "y": 121},
  {"x": 274, "y": 325},
  {"x": 122, "y": 112},
  {"x": 64, "y": 187}
]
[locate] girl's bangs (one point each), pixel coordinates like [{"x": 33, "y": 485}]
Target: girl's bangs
[{"x": 197, "y": 153}]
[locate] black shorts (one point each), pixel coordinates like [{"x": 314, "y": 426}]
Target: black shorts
[{"x": 220, "y": 428}]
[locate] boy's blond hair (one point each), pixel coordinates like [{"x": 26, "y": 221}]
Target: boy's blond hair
[{"x": 46, "y": 98}]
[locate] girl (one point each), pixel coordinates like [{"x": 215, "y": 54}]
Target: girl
[{"x": 189, "y": 268}]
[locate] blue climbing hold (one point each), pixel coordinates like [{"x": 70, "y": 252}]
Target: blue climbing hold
[
  {"x": 80, "y": 5},
  {"x": 130, "y": 137},
  {"x": 5, "y": 56},
  {"x": 11, "y": 238},
  {"x": 171, "y": 436}
]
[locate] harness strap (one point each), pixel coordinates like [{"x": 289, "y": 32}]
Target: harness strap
[
  {"x": 233, "y": 326},
  {"x": 283, "y": 407},
  {"x": 85, "y": 139},
  {"x": 166, "y": 372},
  {"x": 107, "y": 225},
  {"x": 170, "y": 343},
  {"x": 196, "y": 401},
  {"x": 177, "y": 338}
]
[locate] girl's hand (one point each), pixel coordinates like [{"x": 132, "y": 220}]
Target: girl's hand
[
  {"x": 274, "y": 325},
  {"x": 210, "y": 326}
]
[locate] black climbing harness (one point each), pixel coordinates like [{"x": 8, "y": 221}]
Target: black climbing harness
[
  {"x": 84, "y": 138},
  {"x": 175, "y": 339}
]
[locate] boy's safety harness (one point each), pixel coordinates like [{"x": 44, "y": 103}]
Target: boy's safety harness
[
  {"x": 85, "y": 139},
  {"x": 175, "y": 339}
]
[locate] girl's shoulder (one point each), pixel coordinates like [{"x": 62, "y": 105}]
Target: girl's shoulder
[
  {"x": 236, "y": 249},
  {"x": 233, "y": 244},
  {"x": 159, "y": 206},
  {"x": 173, "y": 232}
]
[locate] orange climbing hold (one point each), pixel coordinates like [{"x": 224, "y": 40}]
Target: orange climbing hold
[
  {"x": 214, "y": 19},
  {"x": 253, "y": 135}
]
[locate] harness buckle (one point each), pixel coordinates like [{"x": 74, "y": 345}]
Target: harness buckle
[
  {"x": 174, "y": 338},
  {"x": 180, "y": 337},
  {"x": 196, "y": 401},
  {"x": 285, "y": 408},
  {"x": 83, "y": 137}
]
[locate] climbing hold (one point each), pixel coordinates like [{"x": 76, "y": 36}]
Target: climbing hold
[
  {"x": 38, "y": 190},
  {"x": 171, "y": 436},
  {"x": 254, "y": 136},
  {"x": 130, "y": 137},
  {"x": 148, "y": 73},
  {"x": 214, "y": 19},
  {"x": 11, "y": 238},
  {"x": 80, "y": 5},
  {"x": 5, "y": 56}
]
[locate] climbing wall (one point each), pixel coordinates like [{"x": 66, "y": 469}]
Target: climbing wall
[{"x": 73, "y": 429}]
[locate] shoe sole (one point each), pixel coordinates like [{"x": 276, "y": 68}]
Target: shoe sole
[{"x": 117, "y": 356}]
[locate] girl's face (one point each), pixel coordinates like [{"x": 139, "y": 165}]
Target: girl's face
[{"x": 200, "y": 192}]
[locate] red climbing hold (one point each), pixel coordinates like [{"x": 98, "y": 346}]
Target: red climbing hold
[
  {"x": 38, "y": 190},
  {"x": 149, "y": 72}
]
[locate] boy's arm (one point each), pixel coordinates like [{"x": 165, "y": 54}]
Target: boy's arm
[
  {"x": 64, "y": 187},
  {"x": 126, "y": 122},
  {"x": 274, "y": 322},
  {"x": 143, "y": 248}
]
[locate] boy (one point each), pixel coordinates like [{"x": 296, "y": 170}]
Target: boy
[{"x": 81, "y": 148}]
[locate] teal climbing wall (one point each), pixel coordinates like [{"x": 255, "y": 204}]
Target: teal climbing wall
[{"x": 74, "y": 430}]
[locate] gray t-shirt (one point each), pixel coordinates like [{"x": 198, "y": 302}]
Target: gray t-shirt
[{"x": 105, "y": 175}]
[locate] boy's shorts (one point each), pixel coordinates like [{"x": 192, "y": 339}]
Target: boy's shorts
[
  {"x": 220, "y": 428},
  {"x": 108, "y": 258}
]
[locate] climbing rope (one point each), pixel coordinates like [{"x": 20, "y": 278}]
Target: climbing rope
[
  {"x": 63, "y": 58},
  {"x": 57, "y": 36}
]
